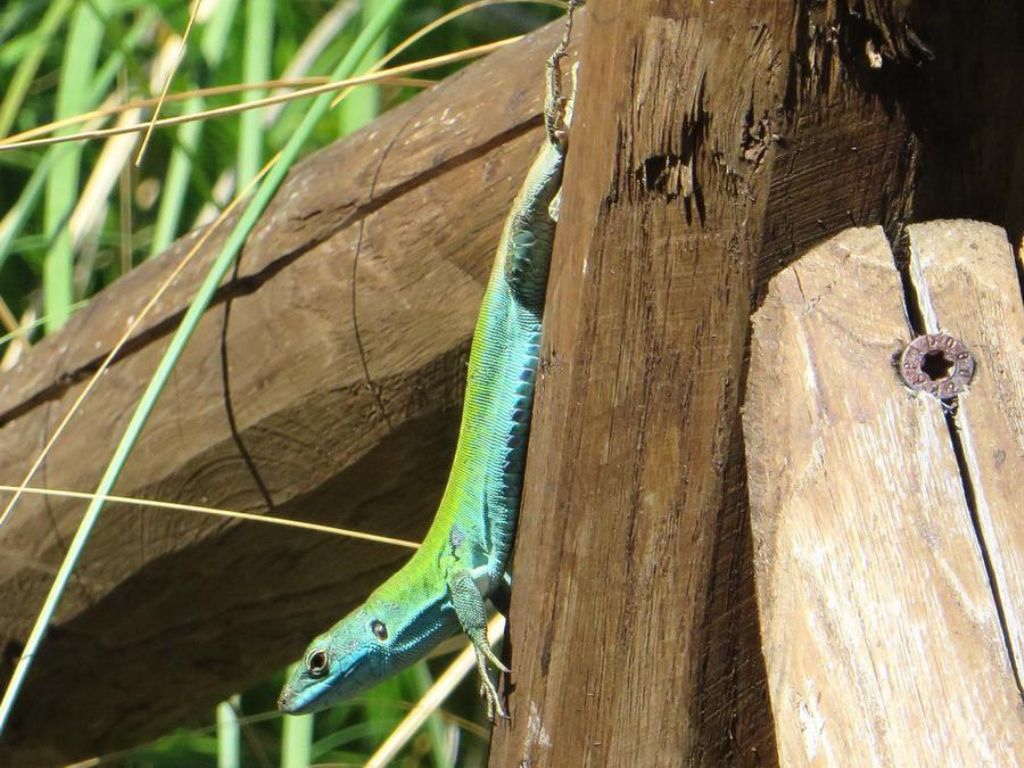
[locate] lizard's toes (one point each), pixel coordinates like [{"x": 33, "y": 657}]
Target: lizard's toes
[{"x": 495, "y": 660}]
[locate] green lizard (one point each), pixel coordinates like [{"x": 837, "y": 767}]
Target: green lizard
[{"x": 464, "y": 558}]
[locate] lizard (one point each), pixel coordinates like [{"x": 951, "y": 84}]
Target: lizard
[{"x": 464, "y": 558}]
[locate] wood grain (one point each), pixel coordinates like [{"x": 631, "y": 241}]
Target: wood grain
[
  {"x": 881, "y": 635},
  {"x": 966, "y": 284},
  {"x": 170, "y": 612}
]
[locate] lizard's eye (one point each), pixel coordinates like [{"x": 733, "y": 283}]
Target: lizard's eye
[
  {"x": 317, "y": 664},
  {"x": 379, "y": 630}
]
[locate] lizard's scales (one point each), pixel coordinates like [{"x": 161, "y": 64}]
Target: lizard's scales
[{"x": 486, "y": 480}]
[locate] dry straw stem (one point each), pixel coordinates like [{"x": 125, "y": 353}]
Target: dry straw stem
[
  {"x": 215, "y": 511},
  {"x": 381, "y": 76},
  {"x": 7, "y": 319},
  {"x": 182, "y": 47},
  {"x": 450, "y": 16},
  {"x": 216, "y": 90},
  {"x": 330, "y": 26},
  {"x": 92, "y": 203}
]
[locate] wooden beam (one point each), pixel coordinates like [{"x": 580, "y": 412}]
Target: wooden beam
[{"x": 171, "y": 611}]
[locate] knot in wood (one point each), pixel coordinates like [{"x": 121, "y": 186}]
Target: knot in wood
[{"x": 938, "y": 364}]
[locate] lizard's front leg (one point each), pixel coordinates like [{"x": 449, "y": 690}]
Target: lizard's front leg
[{"x": 468, "y": 603}]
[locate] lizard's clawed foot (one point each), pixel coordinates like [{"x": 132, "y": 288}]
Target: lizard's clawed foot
[
  {"x": 468, "y": 603},
  {"x": 557, "y": 107},
  {"x": 484, "y": 657},
  {"x": 489, "y": 654},
  {"x": 488, "y": 691}
]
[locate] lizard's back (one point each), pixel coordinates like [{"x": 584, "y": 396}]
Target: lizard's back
[{"x": 481, "y": 501}]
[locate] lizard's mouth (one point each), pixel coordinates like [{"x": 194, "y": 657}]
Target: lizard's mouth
[
  {"x": 294, "y": 703},
  {"x": 298, "y": 702},
  {"x": 309, "y": 696}
]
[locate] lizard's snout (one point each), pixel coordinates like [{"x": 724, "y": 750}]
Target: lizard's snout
[{"x": 284, "y": 701}]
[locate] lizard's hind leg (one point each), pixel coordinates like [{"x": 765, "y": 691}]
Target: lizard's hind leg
[
  {"x": 558, "y": 108},
  {"x": 558, "y": 117}
]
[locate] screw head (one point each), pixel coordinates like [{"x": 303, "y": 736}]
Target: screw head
[{"x": 938, "y": 364}]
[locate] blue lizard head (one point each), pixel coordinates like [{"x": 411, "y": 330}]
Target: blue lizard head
[
  {"x": 344, "y": 661},
  {"x": 376, "y": 640}
]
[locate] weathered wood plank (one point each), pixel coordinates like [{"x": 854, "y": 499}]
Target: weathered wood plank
[
  {"x": 880, "y": 633},
  {"x": 966, "y": 284},
  {"x": 171, "y": 611}
]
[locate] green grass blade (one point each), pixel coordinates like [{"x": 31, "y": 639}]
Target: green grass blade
[
  {"x": 229, "y": 734},
  {"x": 382, "y": 703},
  {"x": 15, "y": 90},
  {"x": 18, "y": 216},
  {"x": 11, "y": 19},
  {"x": 213, "y": 43},
  {"x": 218, "y": 270},
  {"x": 362, "y": 729},
  {"x": 121, "y": 57},
  {"x": 296, "y": 740},
  {"x": 176, "y": 184},
  {"x": 363, "y": 105},
  {"x": 423, "y": 680},
  {"x": 218, "y": 30},
  {"x": 27, "y": 329},
  {"x": 257, "y": 66},
  {"x": 76, "y": 76}
]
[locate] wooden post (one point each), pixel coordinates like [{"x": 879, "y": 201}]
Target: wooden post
[
  {"x": 713, "y": 143},
  {"x": 888, "y": 560},
  {"x": 967, "y": 281}
]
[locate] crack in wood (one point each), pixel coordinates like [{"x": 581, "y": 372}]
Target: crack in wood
[{"x": 924, "y": 316}]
